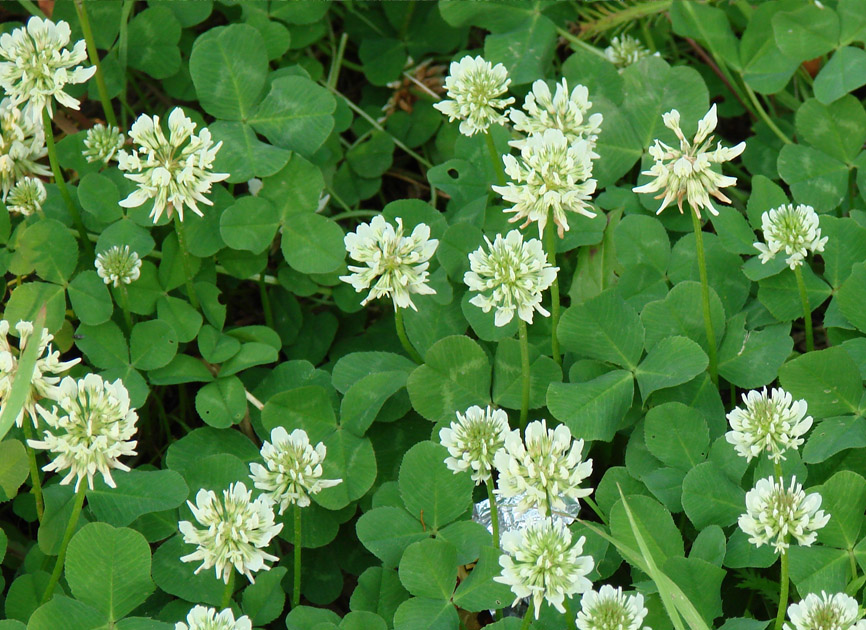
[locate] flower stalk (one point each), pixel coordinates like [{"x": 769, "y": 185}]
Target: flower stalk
[
  {"x": 67, "y": 536},
  {"x": 92, "y": 52},
  {"x": 404, "y": 340},
  {"x": 705, "y": 297},
  {"x": 34, "y": 470},
  {"x": 229, "y": 591},
  {"x": 495, "y": 158},
  {"x": 550, "y": 246},
  {"x": 525, "y": 371},
  {"x": 783, "y": 591},
  {"x": 181, "y": 243},
  {"x": 296, "y": 583},
  {"x": 807, "y": 310}
]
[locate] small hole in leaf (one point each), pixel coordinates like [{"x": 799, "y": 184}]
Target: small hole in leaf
[{"x": 452, "y": 173}]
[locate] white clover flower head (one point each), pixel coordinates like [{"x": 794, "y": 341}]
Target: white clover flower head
[
  {"x": 22, "y": 143},
  {"x": 552, "y": 177},
  {"x": 174, "y": 172},
  {"x": 26, "y": 196},
  {"x": 395, "y": 265},
  {"x": 43, "y": 382},
  {"x": 510, "y": 277},
  {"x": 793, "y": 230},
  {"x": 474, "y": 88},
  {"x": 474, "y": 439},
  {"x": 294, "y": 469},
  {"x": 236, "y": 530},
  {"x": 204, "y": 618},
  {"x": 826, "y": 612},
  {"x": 610, "y": 609},
  {"x": 540, "y": 562},
  {"x": 773, "y": 424},
  {"x": 546, "y": 468},
  {"x": 118, "y": 265},
  {"x": 686, "y": 173},
  {"x": 102, "y": 143},
  {"x": 89, "y": 429},
  {"x": 626, "y": 50},
  {"x": 774, "y": 512},
  {"x": 35, "y": 66},
  {"x": 568, "y": 112}
]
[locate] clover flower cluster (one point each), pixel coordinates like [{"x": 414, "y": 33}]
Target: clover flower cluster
[
  {"x": 102, "y": 143},
  {"x": 22, "y": 144},
  {"x": 474, "y": 440},
  {"x": 567, "y": 112},
  {"x": 475, "y": 87},
  {"x": 626, "y": 50},
  {"x": 610, "y": 609},
  {"x": 771, "y": 424},
  {"x": 838, "y": 611},
  {"x": 204, "y": 618},
  {"x": 118, "y": 265},
  {"x": 792, "y": 229},
  {"x": 27, "y": 196}
]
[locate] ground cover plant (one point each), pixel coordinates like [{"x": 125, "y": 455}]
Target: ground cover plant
[{"x": 432, "y": 315}]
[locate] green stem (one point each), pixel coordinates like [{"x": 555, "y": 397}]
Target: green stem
[
  {"x": 123, "y": 53},
  {"x": 807, "y": 310},
  {"x": 34, "y": 467},
  {"x": 67, "y": 536},
  {"x": 525, "y": 371},
  {"x": 401, "y": 333},
  {"x": 229, "y": 591},
  {"x": 577, "y": 41},
  {"x": 783, "y": 593},
  {"x": 61, "y": 183},
  {"x": 124, "y": 304},
  {"x": 777, "y": 470},
  {"x": 266, "y": 301},
  {"x": 296, "y": 586},
  {"x": 495, "y": 158},
  {"x": 94, "y": 60},
  {"x": 569, "y": 615},
  {"x": 527, "y": 618},
  {"x": 353, "y": 214},
  {"x": 550, "y": 246},
  {"x": 705, "y": 297},
  {"x": 595, "y": 508},
  {"x": 494, "y": 524},
  {"x": 181, "y": 242},
  {"x": 31, "y": 8},
  {"x": 764, "y": 115}
]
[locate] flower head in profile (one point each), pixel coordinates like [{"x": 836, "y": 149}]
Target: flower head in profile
[
  {"x": 22, "y": 143},
  {"x": 686, "y": 173},
  {"x": 174, "y": 171},
  {"x": 474, "y": 439},
  {"x": 626, "y": 50},
  {"x": 118, "y": 265},
  {"x": 102, "y": 143},
  {"x": 775, "y": 513},
  {"x": 43, "y": 381},
  {"x": 792, "y": 229},
  {"x": 89, "y": 429},
  {"x": 204, "y": 618},
  {"x": 568, "y": 112},
  {"x": 236, "y": 529},
  {"x": 475, "y": 87},
  {"x": 544, "y": 469},
  {"x": 610, "y": 609},
  {"x": 826, "y": 612},
  {"x": 771, "y": 424},
  {"x": 293, "y": 469},
  {"x": 36, "y": 66},
  {"x": 395, "y": 266},
  {"x": 540, "y": 562},
  {"x": 551, "y": 178},
  {"x": 510, "y": 277},
  {"x": 26, "y": 196}
]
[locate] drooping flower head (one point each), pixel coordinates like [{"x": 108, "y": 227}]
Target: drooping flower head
[
  {"x": 548, "y": 467},
  {"x": 625, "y": 50},
  {"x": 474, "y": 88},
  {"x": 773, "y": 424},
  {"x": 118, "y": 265},
  {"x": 567, "y": 112},
  {"x": 26, "y": 196},
  {"x": 474, "y": 439},
  {"x": 89, "y": 429},
  {"x": 294, "y": 469},
  {"x": 793, "y": 230},
  {"x": 510, "y": 277},
  {"x": 551, "y": 178},
  {"x": 540, "y": 562},
  {"x": 22, "y": 143},
  {"x": 102, "y": 143},
  {"x": 36, "y": 66},
  {"x": 774, "y": 513},
  {"x": 43, "y": 382},
  {"x": 395, "y": 265},
  {"x": 826, "y": 612},
  {"x": 204, "y": 618},
  {"x": 174, "y": 171},
  {"x": 686, "y": 173},
  {"x": 236, "y": 530},
  {"x": 610, "y": 609}
]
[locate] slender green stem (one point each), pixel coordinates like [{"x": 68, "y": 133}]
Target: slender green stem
[
  {"x": 296, "y": 585},
  {"x": 334, "y": 72},
  {"x": 93, "y": 53},
  {"x": 181, "y": 243},
  {"x": 34, "y": 467},
  {"x": 401, "y": 333},
  {"x": 570, "y": 619},
  {"x": 61, "y": 183},
  {"x": 229, "y": 591},
  {"x": 124, "y": 304},
  {"x": 783, "y": 591},
  {"x": 123, "y": 53},
  {"x": 550, "y": 246},
  {"x": 31, "y": 8},
  {"x": 527, "y": 618},
  {"x": 67, "y": 536},
  {"x": 577, "y": 41},
  {"x": 495, "y": 158},
  {"x": 494, "y": 512},
  {"x": 807, "y": 310},
  {"x": 352, "y": 214},
  {"x": 266, "y": 301},
  {"x": 777, "y": 471},
  {"x": 705, "y": 297},
  {"x": 595, "y": 508},
  {"x": 853, "y": 561},
  {"x": 764, "y": 115},
  {"x": 525, "y": 371}
]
